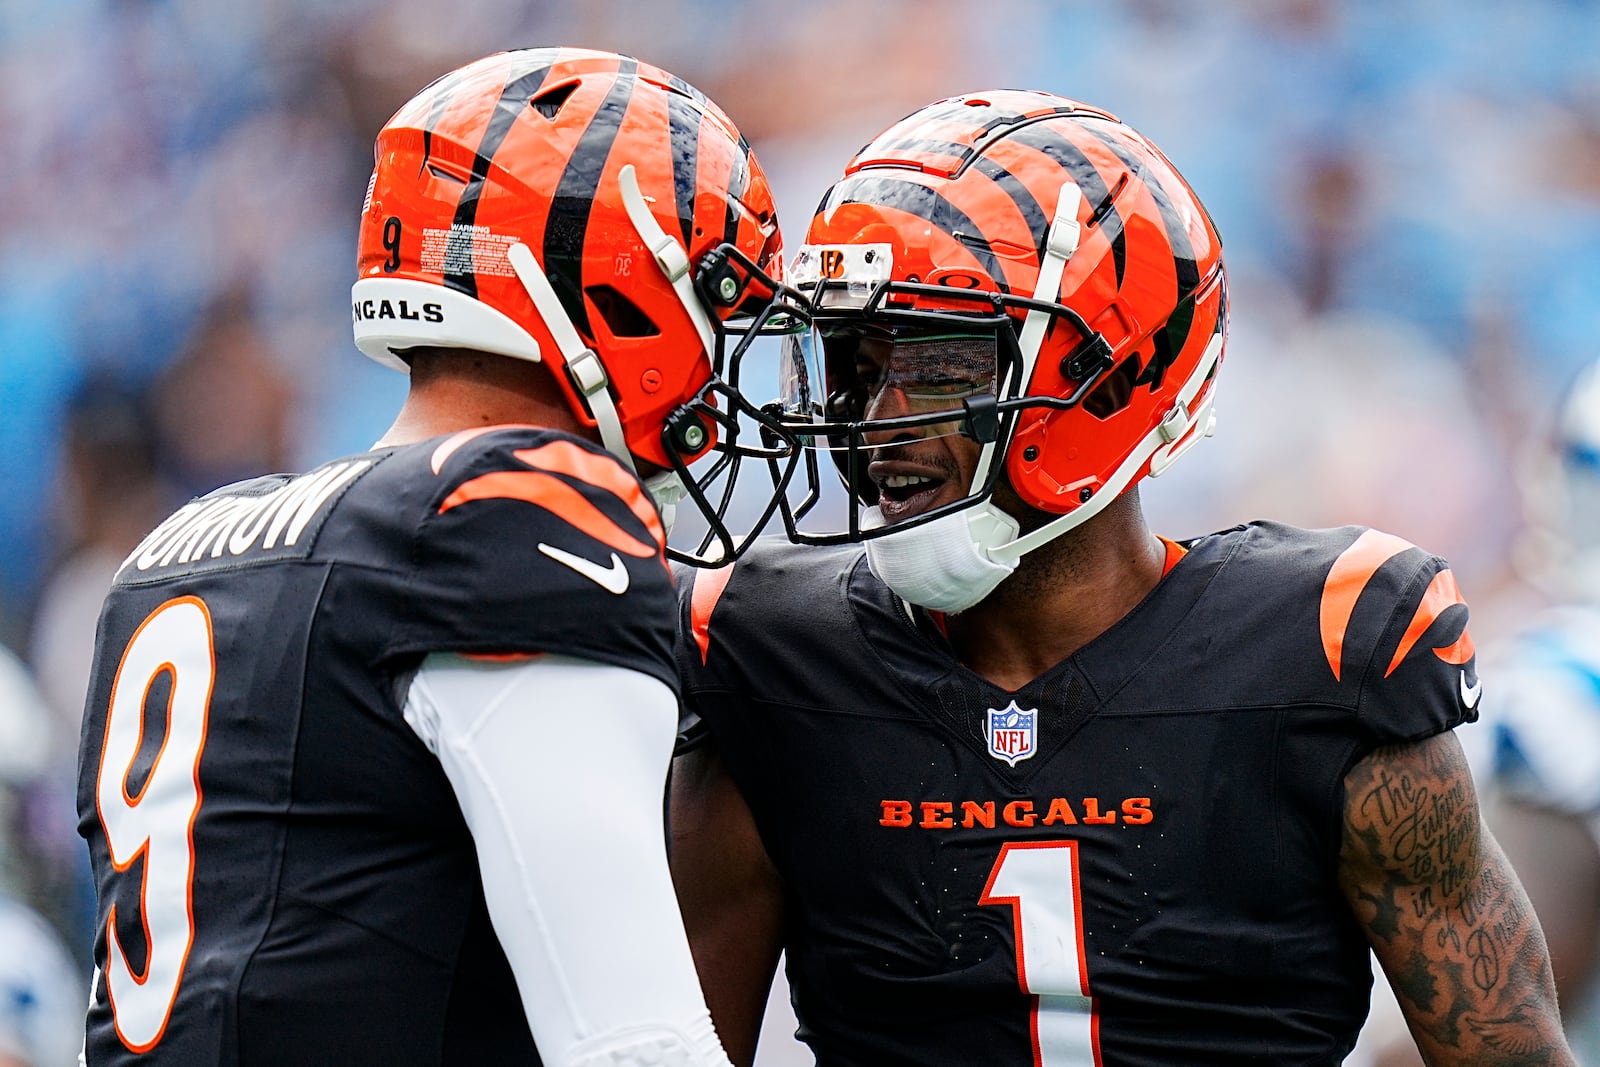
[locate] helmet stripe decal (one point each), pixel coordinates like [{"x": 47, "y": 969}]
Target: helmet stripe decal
[
  {"x": 917, "y": 199},
  {"x": 1000, "y": 124},
  {"x": 1032, "y": 211},
  {"x": 678, "y": 85},
  {"x": 513, "y": 103},
  {"x": 1069, "y": 156},
  {"x": 738, "y": 181},
  {"x": 1165, "y": 344},
  {"x": 684, "y": 119},
  {"x": 441, "y": 101},
  {"x": 1169, "y": 341},
  {"x": 567, "y": 229},
  {"x": 1183, "y": 261}
]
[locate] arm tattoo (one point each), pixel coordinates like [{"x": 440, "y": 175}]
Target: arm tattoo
[{"x": 1445, "y": 914}]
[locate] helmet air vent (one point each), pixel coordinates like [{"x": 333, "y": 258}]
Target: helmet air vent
[
  {"x": 1113, "y": 394},
  {"x": 622, "y": 316},
  {"x": 548, "y": 103}
]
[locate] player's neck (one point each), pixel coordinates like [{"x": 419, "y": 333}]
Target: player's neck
[
  {"x": 466, "y": 393},
  {"x": 1061, "y": 597}
]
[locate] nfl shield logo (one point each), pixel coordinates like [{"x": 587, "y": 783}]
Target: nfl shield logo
[{"x": 1013, "y": 733}]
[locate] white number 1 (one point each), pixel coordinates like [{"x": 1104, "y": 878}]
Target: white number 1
[
  {"x": 1039, "y": 880},
  {"x": 158, "y": 822}
]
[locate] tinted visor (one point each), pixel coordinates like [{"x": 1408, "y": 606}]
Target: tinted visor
[{"x": 886, "y": 379}]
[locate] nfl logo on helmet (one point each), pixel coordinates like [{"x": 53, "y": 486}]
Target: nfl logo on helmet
[{"x": 1013, "y": 733}]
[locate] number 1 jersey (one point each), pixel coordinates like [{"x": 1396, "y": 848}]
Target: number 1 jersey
[{"x": 1131, "y": 861}]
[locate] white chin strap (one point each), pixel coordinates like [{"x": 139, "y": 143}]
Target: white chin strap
[
  {"x": 952, "y": 563},
  {"x": 588, "y": 370},
  {"x": 945, "y": 565}
]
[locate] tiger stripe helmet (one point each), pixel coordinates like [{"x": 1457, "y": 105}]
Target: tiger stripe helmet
[
  {"x": 1083, "y": 236},
  {"x": 585, "y": 210}
]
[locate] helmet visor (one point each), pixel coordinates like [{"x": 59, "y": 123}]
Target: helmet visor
[{"x": 885, "y": 382}]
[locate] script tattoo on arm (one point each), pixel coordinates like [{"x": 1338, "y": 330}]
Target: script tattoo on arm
[{"x": 1444, "y": 911}]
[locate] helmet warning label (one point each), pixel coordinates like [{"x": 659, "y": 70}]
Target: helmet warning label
[{"x": 463, "y": 250}]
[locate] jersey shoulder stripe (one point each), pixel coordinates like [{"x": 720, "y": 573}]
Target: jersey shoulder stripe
[
  {"x": 562, "y": 477},
  {"x": 1355, "y": 570}
]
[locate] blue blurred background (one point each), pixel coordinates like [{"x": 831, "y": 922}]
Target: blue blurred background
[{"x": 1408, "y": 193}]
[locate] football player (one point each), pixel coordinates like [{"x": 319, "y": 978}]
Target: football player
[
  {"x": 1012, "y": 779},
  {"x": 374, "y": 756}
]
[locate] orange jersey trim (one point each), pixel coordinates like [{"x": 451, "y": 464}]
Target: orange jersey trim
[
  {"x": 1442, "y": 595},
  {"x": 551, "y": 493},
  {"x": 1345, "y": 582},
  {"x": 708, "y": 587},
  {"x": 563, "y": 457},
  {"x": 601, "y": 470},
  {"x": 1175, "y": 552},
  {"x": 499, "y": 657},
  {"x": 448, "y": 447}
]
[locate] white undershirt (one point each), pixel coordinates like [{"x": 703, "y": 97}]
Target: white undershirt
[{"x": 559, "y": 765}]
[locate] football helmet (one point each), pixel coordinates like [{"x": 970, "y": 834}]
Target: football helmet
[
  {"x": 599, "y": 215},
  {"x": 1023, "y": 269}
]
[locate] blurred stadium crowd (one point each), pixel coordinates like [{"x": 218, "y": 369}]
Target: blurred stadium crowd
[{"x": 1408, "y": 192}]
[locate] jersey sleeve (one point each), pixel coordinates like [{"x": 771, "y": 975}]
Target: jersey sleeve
[
  {"x": 537, "y": 542},
  {"x": 602, "y": 924},
  {"x": 1420, "y": 675}
]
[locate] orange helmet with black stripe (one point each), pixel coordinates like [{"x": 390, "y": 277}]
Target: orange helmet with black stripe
[
  {"x": 594, "y": 213},
  {"x": 1068, "y": 235}
]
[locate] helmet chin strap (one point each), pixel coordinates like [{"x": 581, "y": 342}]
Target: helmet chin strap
[
  {"x": 588, "y": 371},
  {"x": 943, "y": 565},
  {"x": 1161, "y": 446},
  {"x": 587, "y": 368}
]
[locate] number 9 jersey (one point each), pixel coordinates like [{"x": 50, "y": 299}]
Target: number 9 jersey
[{"x": 284, "y": 873}]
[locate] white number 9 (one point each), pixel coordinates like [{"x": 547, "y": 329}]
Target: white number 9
[{"x": 158, "y": 823}]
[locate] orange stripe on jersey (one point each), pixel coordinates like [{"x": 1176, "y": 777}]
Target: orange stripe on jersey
[
  {"x": 601, "y": 470},
  {"x": 1175, "y": 552},
  {"x": 551, "y": 493},
  {"x": 1442, "y": 594},
  {"x": 455, "y": 441},
  {"x": 708, "y": 587},
  {"x": 1350, "y": 574}
]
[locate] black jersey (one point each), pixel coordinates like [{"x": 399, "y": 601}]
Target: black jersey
[
  {"x": 284, "y": 874},
  {"x": 1129, "y": 861}
]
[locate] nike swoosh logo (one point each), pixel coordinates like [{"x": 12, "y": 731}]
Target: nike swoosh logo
[
  {"x": 1470, "y": 693},
  {"x": 613, "y": 579}
]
